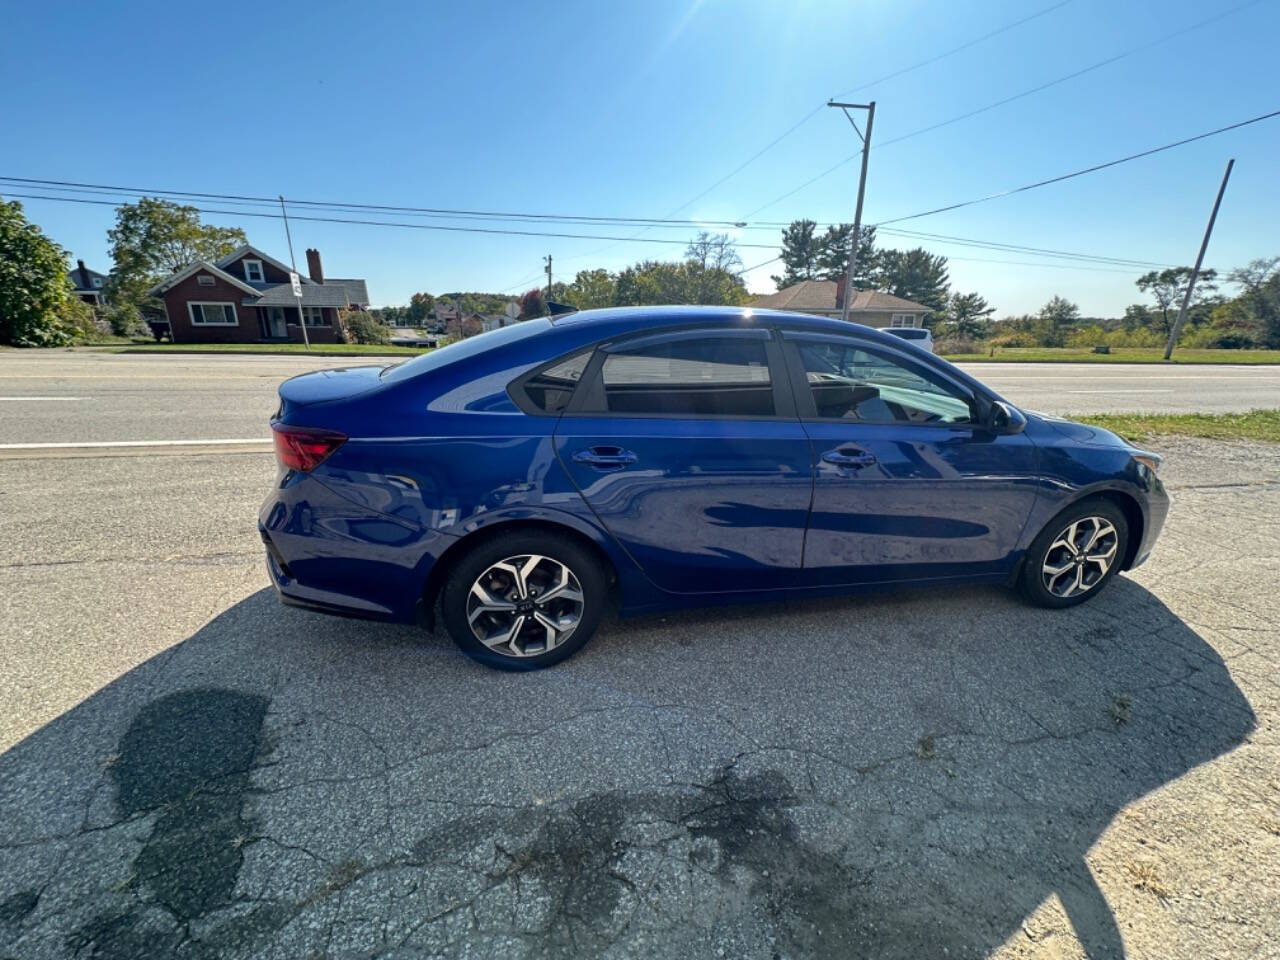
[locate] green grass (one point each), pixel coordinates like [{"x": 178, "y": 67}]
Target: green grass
[
  {"x": 319, "y": 349},
  {"x": 1261, "y": 425},
  {"x": 1117, "y": 355}
]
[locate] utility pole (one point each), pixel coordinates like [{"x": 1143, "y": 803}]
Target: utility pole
[
  {"x": 862, "y": 188},
  {"x": 548, "y": 259},
  {"x": 1195, "y": 271},
  {"x": 294, "y": 278}
]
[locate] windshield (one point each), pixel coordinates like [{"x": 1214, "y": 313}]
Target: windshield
[{"x": 462, "y": 349}]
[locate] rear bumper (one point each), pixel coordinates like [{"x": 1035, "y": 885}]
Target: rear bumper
[{"x": 328, "y": 554}]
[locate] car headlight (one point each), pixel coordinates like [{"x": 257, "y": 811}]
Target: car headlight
[{"x": 1150, "y": 461}]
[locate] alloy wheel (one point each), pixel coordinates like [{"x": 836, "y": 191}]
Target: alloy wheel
[
  {"x": 1080, "y": 556},
  {"x": 524, "y": 606}
]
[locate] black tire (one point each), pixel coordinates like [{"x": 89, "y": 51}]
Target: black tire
[
  {"x": 1032, "y": 581},
  {"x": 584, "y": 566}
]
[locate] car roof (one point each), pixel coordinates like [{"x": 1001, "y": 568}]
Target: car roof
[{"x": 618, "y": 319}]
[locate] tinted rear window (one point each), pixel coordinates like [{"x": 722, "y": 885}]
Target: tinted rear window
[
  {"x": 707, "y": 376},
  {"x": 462, "y": 349},
  {"x": 911, "y": 334}
]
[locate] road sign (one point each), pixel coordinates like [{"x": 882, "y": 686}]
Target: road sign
[{"x": 297, "y": 284}]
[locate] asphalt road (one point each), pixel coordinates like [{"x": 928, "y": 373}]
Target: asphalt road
[
  {"x": 60, "y": 396},
  {"x": 189, "y": 769}
]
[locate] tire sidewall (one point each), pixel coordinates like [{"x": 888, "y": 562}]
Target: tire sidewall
[
  {"x": 584, "y": 565},
  {"x": 1032, "y": 584}
]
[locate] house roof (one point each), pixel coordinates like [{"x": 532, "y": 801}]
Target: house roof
[
  {"x": 820, "y": 295},
  {"x": 313, "y": 295},
  {"x": 258, "y": 255},
  {"x": 82, "y": 280},
  {"x": 195, "y": 268},
  {"x": 357, "y": 290}
]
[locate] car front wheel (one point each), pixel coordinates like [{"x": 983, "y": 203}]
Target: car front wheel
[
  {"x": 1076, "y": 554},
  {"x": 524, "y": 600}
]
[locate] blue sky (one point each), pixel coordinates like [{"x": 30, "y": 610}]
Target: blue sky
[{"x": 633, "y": 109}]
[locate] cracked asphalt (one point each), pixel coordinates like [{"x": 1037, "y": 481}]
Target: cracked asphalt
[{"x": 190, "y": 769}]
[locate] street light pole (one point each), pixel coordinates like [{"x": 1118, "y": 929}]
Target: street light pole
[
  {"x": 862, "y": 189},
  {"x": 1195, "y": 272}
]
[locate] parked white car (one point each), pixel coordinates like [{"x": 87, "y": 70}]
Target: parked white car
[{"x": 916, "y": 336}]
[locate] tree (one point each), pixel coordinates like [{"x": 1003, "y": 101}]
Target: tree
[
  {"x": 968, "y": 315},
  {"x": 1169, "y": 287},
  {"x": 420, "y": 307},
  {"x": 1058, "y": 314},
  {"x": 914, "y": 275},
  {"x": 362, "y": 326},
  {"x": 800, "y": 251},
  {"x": 590, "y": 290},
  {"x": 833, "y": 255},
  {"x": 1254, "y": 275},
  {"x": 531, "y": 305},
  {"x": 711, "y": 265},
  {"x": 33, "y": 282},
  {"x": 154, "y": 238}
]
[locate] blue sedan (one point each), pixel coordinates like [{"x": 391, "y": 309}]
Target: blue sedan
[{"x": 526, "y": 479}]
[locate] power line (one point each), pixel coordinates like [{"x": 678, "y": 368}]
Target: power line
[
  {"x": 844, "y": 93},
  {"x": 388, "y": 223},
  {"x": 1079, "y": 173},
  {"x": 1010, "y": 99}
]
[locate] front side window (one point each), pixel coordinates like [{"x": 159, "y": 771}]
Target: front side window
[
  {"x": 213, "y": 314},
  {"x": 702, "y": 376},
  {"x": 849, "y": 383}
]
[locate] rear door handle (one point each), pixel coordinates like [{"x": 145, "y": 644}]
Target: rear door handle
[
  {"x": 849, "y": 456},
  {"x": 605, "y": 458}
]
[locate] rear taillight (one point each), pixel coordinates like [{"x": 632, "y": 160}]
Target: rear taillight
[{"x": 305, "y": 448}]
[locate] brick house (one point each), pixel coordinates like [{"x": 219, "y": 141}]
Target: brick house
[
  {"x": 826, "y": 298},
  {"x": 246, "y": 298}
]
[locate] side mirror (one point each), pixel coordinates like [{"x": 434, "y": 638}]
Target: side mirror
[{"x": 1005, "y": 419}]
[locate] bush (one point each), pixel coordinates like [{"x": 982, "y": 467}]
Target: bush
[
  {"x": 79, "y": 320},
  {"x": 360, "y": 326},
  {"x": 1016, "y": 340},
  {"x": 125, "y": 320},
  {"x": 956, "y": 345}
]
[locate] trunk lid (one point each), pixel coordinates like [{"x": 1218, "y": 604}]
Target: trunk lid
[{"x": 325, "y": 386}]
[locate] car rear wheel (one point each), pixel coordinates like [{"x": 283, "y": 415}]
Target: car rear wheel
[
  {"x": 524, "y": 600},
  {"x": 1076, "y": 554}
]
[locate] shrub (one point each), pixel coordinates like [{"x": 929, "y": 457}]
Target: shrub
[
  {"x": 79, "y": 319},
  {"x": 125, "y": 320},
  {"x": 956, "y": 345},
  {"x": 360, "y": 326}
]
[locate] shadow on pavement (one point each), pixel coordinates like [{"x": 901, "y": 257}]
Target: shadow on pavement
[{"x": 866, "y": 777}]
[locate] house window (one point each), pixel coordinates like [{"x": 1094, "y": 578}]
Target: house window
[
  {"x": 97, "y": 283},
  {"x": 903, "y": 320},
  {"x": 205, "y": 280},
  {"x": 314, "y": 317},
  {"x": 253, "y": 271},
  {"x": 212, "y": 314}
]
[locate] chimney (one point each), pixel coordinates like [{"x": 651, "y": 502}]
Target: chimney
[
  {"x": 313, "y": 265},
  {"x": 840, "y": 291},
  {"x": 84, "y": 275}
]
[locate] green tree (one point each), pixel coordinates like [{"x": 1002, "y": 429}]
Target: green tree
[
  {"x": 1057, "y": 315},
  {"x": 33, "y": 282},
  {"x": 420, "y": 307},
  {"x": 362, "y": 326},
  {"x": 710, "y": 267},
  {"x": 833, "y": 255},
  {"x": 590, "y": 290},
  {"x": 800, "y": 249},
  {"x": 914, "y": 275},
  {"x": 1168, "y": 288},
  {"x": 154, "y": 238},
  {"x": 967, "y": 315}
]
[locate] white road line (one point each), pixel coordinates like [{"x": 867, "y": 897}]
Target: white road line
[
  {"x": 1108, "y": 392},
  {"x": 39, "y": 397},
  {"x": 105, "y": 444}
]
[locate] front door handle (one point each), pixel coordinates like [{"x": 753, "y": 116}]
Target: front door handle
[
  {"x": 605, "y": 458},
  {"x": 849, "y": 456}
]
